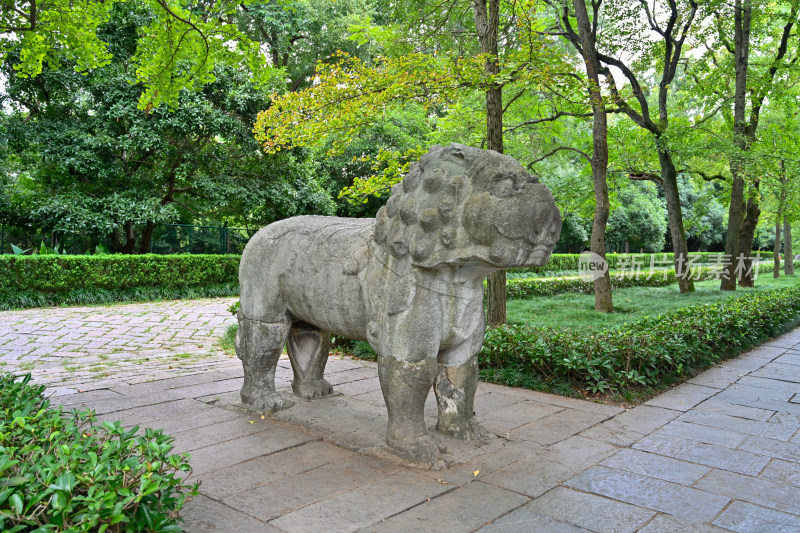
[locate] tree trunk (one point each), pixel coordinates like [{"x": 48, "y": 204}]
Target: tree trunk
[
  {"x": 776, "y": 257},
  {"x": 487, "y": 23},
  {"x": 669, "y": 175},
  {"x": 728, "y": 281},
  {"x": 788, "y": 260},
  {"x": 147, "y": 237},
  {"x": 746, "y": 234},
  {"x": 741, "y": 52},
  {"x": 603, "y": 299}
]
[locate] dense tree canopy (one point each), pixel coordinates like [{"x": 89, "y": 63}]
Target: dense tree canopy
[{"x": 274, "y": 109}]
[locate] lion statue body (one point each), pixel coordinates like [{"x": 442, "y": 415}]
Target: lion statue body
[{"x": 410, "y": 282}]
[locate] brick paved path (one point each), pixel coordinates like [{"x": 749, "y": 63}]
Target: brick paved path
[
  {"x": 80, "y": 347},
  {"x": 718, "y": 453}
]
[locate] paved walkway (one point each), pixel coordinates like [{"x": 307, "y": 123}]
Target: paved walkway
[
  {"x": 718, "y": 453},
  {"x": 81, "y": 348}
]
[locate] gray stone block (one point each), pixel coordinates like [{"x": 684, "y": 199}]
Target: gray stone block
[
  {"x": 658, "y": 466},
  {"x": 235, "y": 451},
  {"x": 741, "y": 461},
  {"x": 782, "y": 472},
  {"x": 464, "y": 509},
  {"x": 202, "y": 514},
  {"x": 683, "y": 397},
  {"x": 285, "y": 495},
  {"x": 590, "y": 511},
  {"x": 672, "y": 524},
  {"x": 744, "y": 517},
  {"x": 772, "y": 430},
  {"x": 709, "y": 435},
  {"x": 558, "y": 426},
  {"x": 346, "y": 511},
  {"x": 524, "y": 520},
  {"x": 243, "y": 477},
  {"x": 650, "y": 493},
  {"x": 754, "y": 490}
]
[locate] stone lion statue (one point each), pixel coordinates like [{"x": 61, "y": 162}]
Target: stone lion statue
[{"x": 410, "y": 282}]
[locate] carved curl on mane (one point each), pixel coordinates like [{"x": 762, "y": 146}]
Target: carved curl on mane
[{"x": 424, "y": 219}]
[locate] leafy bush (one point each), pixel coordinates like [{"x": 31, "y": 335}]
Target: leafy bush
[
  {"x": 58, "y": 472},
  {"x": 652, "y": 352},
  {"x": 34, "y": 281}
]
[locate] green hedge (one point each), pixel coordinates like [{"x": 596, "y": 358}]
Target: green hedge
[
  {"x": 652, "y": 352},
  {"x": 522, "y": 288},
  {"x": 569, "y": 262},
  {"x": 59, "y": 472},
  {"x": 64, "y": 273},
  {"x": 38, "y": 281}
]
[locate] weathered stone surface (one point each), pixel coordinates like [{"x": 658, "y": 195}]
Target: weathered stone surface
[
  {"x": 203, "y": 514},
  {"x": 410, "y": 282},
  {"x": 739, "y": 461},
  {"x": 782, "y": 472},
  {"x": 346, "y": 511},
  {"x": 753, "y": 490},
  {"x": 770, "y": 430},
  {"x": 235, "y": 451},
  {"x": 540, "y": 472},
  {"x": 672, "y": 524},
  {"x": 463, "y": 509},
  {"x": 658, "y": 466},
  {"x": 291, "y": 493},
  {"x": 744, "y": 517},
  {"x": 645, "y": 491},
  {"x": 590, "y": 511},
  {"x": 525, "y": 520},
  {"x": 247, "y": 475},
  {"x": 683, "y": 397}
]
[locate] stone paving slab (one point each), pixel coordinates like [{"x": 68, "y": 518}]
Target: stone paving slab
[{"x": 719, "y": 453}]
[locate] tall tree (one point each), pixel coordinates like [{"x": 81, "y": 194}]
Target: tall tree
[
  {"x": 754, "y": 85},
  {"x": 586, "y": 43},
  {"x": 670, "y": 25}
]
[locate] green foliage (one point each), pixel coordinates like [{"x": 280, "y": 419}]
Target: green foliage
[
  {"x": 363, "y": 350},
  {"x": 11, "y": 299},
  {"x": 62, "y": 472},
  {"x": 652, "y": 352},
  {"x": 228, "y": 340},
  {"x": 177, "y": 48},
  {"x": 640, "y": 219},
  {"x": 90, "y": 163},
  {"x": 32, "y": 281}
]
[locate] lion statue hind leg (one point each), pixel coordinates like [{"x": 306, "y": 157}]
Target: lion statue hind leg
[{"x": 308, "y": 348}]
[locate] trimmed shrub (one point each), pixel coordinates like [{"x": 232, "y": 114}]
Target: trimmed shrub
[
  {"x": 49, "y": 273},
  {"x": 569, "y": 262},
  {"x": 36, "y": 281},
  {"x": 59, "y": 472},
  {"x": 521, "y": 288},
  {"x": 652, "y": 352}
]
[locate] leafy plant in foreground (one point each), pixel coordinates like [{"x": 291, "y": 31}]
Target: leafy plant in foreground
[{"x": 62, "y": 472}]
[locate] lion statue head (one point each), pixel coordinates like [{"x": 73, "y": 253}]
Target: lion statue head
[{"x": 461, "y": 206}]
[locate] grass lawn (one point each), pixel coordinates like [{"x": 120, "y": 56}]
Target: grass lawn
[{"x": 576, "y": 311}]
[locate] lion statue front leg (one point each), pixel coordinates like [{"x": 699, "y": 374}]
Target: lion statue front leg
[{"x": 455, "y": 386}]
